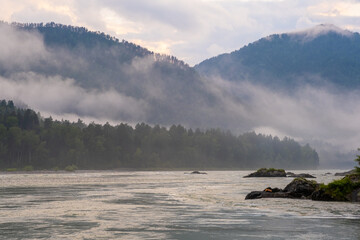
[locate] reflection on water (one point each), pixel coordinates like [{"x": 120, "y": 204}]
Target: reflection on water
[{"x": 164, "y": 205}]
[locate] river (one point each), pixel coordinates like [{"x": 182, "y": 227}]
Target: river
[{"x": 164, "y": 205}]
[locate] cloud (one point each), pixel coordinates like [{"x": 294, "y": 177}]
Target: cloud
[
  {"x": 58, "y": 96},
  {"x": 31, "y": 74},
  {"x": 20, "y": 49},
  {"x": 325, "y": 117}
]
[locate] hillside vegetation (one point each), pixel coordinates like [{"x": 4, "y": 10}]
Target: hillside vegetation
[{"x": 27, "y": 140}]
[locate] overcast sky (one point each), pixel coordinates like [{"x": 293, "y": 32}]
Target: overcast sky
[{"x": 191, "y": 30}]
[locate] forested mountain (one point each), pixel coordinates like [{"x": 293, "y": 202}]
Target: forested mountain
[
  {"x": 158, "y": 88},
  {"x": 100, "y": 60},
  {"x": 324, "y": 53},
  {"x": 26, "y": 139}
]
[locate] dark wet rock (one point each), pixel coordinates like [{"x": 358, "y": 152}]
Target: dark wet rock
[
  {"x": 346, "y": 189},
  {"x": 298, "y": 188},
  {"x": 301, "y": 188},
  {"x": 345, "y": 173},
  {"x": 268, "y": 172},
  {"x": 355, "y": 178},
  {"x": 197, "y": 172},
  {"x": 300, "y": 175},
  {"x": 254, "y": 195},
  {"x": 264, "y": 194},
  {"x": 354, "y": 196},
  {"x": 321, "y": 195}
]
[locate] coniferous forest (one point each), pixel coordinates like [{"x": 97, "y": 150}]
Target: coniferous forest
[{"x": 27, "y": 139}]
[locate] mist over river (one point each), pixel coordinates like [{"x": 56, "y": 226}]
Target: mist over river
[{"x": 165, "y": 205}]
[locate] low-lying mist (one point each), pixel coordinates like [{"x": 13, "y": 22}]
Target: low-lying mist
[{"x": 325, "y": 117}]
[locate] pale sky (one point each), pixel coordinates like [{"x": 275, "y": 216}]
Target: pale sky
[{"x": 191, "y": 30}]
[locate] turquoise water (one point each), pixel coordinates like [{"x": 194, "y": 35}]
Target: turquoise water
[{"x": 164, "y": 205}]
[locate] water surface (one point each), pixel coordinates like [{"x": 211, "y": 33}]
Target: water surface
[{"x": 164, "y": 205}]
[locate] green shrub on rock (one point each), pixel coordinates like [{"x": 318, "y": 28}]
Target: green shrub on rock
[
  {"x": 339, "y": 190},
  {"x": 28, "y": 168},
  {"x": 11, "y": 169},
  {"x": 55, "y": 169},
  {"x": 71, "y": 168}
]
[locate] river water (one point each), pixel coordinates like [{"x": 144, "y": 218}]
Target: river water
[{"x": 164, "y": 205}]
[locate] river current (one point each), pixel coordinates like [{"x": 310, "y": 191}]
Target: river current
[{"x": 164, "y": 205}]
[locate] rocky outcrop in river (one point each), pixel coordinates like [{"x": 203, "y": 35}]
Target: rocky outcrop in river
[
  {"x": 346, "y": 189},
  {"x": 272, "y": 172},
  {"x": 268, "y": 172},
  {"x": 298, "y": 188}
]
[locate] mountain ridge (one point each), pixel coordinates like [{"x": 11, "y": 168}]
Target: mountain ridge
[
  {"x": 96, "y": 36},
  {"x": 324, "y": 52}
]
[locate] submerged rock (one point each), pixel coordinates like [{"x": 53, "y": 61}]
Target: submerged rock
[
  {"x": 265, "y": 194},
  {"x": 268, "y": 172},
  {"x": 197, "y": 172},
  {"x": 300, "y": 175}
]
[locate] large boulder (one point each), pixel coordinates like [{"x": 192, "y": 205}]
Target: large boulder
[
  {"x": 321, "y": 195},
  {"x": 268, "y": 172},
  {"x": 354, "y": 196},
  {"x": 298, "y": 188},
  {"x": 254, "y": 195},
  {"x": 301, "y": 188}
]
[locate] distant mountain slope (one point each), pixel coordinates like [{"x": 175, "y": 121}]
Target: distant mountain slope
[
  {"x": 324, "y": 52},
  {"x": 106, "y": 56},
  {"x": 162, "y": 87}
]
